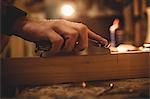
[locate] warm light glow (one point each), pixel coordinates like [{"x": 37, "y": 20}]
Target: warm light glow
[
  {"x": 111, "y": 85},
  {"x": 125, "y": 48},
  {"x": 147, "y": 45},
  {"x": 145, "y": 48},
  {"x": 120, "y": 49},
  {"x": 83, "y": 84},
  {"x": 67, "y": 10}
]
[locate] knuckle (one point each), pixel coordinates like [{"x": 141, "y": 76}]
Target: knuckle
[{"x": 83, "y": 27}]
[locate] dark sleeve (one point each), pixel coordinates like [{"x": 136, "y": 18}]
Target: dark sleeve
[
  {"x": 148, "y": 2},
  {"x": 8, "y": 17}
]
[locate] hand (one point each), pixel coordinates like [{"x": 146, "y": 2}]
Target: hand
[{"x": 60, "y": 32}]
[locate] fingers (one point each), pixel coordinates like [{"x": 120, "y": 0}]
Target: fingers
[
  {"x": 71, "y": 41},
  {"x": 68, "y": 33},
  {"x": 57, "y": 42},
  {"x": 83, "y": 29},
  {"x": 96, "y": 37},
  {"x": 76, "y": 32},
  {"x": 83, "y": 37}
]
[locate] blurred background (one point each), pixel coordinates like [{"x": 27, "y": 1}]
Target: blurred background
[{"x": 119, "y": 21}]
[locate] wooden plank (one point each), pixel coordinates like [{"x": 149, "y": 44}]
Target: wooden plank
[
  {"x": 136, "y": 64},
  {"x": 24, "y": 71}
]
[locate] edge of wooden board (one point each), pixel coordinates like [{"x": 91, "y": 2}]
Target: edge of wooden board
[{"x": 24, "y": 71}]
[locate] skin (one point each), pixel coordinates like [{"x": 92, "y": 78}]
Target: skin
[{"x": 60, "y": 32}]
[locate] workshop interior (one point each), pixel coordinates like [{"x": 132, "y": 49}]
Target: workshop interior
[{"x": 119, "y": 70}]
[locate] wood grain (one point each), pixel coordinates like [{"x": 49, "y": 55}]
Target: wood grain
[{"x": 34, "y": 71}]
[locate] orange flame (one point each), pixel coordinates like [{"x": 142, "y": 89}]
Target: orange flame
[{"x": 116, "y": 21}]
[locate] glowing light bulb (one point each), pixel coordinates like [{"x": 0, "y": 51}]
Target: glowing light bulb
[{"x": 67, "y": 10}]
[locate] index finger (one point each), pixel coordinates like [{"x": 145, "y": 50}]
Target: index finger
[{"x": 97, "y": 37}]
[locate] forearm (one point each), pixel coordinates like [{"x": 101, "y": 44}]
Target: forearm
[{"x": 10, "y": 15}]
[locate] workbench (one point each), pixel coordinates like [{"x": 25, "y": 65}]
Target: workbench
[{"x": 37, "y": 71}]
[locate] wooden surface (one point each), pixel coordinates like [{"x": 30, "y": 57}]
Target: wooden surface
[
  {"x": 122, "y": 89},
  {"x": 32, "y": 71}
]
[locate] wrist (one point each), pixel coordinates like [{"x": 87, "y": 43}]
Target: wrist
[{"x": 17, "y": 27}]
